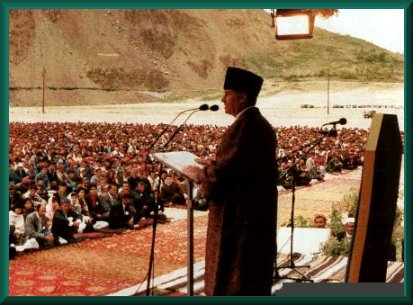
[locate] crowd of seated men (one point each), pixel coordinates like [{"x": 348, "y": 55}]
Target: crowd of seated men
[{"x": 71, "y": 178}]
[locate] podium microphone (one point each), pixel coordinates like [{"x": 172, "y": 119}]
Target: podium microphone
[
  {"x": 342, "y": 121},
  {"x": 214, "y": 108},
  {"x": 203, "y": 107}
]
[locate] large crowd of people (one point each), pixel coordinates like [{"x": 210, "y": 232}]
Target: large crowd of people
[{"x": 67, "y": 178}]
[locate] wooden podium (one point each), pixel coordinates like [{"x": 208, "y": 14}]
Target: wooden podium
[
  {"x": 178, "y": 160},
  {"x": 377, "y": 201}
]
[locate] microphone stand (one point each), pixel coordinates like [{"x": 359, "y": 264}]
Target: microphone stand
[
  {"x": 151, "y": 268},
  {"x": 202, "y": 107},
  {"x": 212, "y": 108},
  {"x": 190, "y": 239},
  {"x": 190, "y": 224},
  {"x": 163, "y": 131},
  {"x": 330, "y": 133},
  {"x": 179, "y": 128},
  {"x": 291, "y": 265}
]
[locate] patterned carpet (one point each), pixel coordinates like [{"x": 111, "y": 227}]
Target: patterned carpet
[
  {"x": 117, "y": 265},
  {"x": 105, "y": 265}
]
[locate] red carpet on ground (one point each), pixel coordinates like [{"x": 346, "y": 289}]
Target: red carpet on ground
[{"x": 105, "y": 265}]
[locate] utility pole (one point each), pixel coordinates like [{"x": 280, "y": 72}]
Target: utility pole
[
  {"x": 328, "y": 91},
  {"x": 44, "y": 74}
]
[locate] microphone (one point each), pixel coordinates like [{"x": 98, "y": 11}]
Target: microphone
[
  {"x": 203, "y": 107},
  {"x": 214, "y": 108},
  {"x": 341, "y": 121}
]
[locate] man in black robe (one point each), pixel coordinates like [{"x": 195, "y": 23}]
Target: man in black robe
[{"x": 242, "y": 196}]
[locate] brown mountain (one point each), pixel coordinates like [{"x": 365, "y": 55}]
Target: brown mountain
[{"x": 132, "y": 56}]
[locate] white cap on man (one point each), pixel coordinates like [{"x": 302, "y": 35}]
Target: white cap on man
[{"x": 350, "y": 220}]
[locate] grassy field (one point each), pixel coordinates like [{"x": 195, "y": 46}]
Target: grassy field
[{"x": 340, "y": 56}]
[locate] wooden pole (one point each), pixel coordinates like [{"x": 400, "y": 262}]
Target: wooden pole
[
  {"x": 44, "y": 74},
  {"x": 328, "y": 92}
]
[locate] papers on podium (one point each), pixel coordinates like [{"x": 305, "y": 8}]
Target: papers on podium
[{"x": 179, "y": 160}]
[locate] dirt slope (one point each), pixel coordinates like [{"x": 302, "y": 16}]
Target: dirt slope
[{"x": 132, "y": 56}]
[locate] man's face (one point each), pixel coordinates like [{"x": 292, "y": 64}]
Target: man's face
[
  {"x": 65, "y": 207},
  {"x": 41, "y": 211},
  {"x": 350, "y": 228},
  {"x": 32, "y": 192},
  {"x": 28, "y": 205},
  {"x": 141, "y": 187},
  {"x": 93, "y": 190},
  {"x": 125, "y": 200},
  {"x": 233, "y": 101},
  {"x": 54, "y": 203},
  {"x": 112, "y": 190},
  {"x": 168, "y": 180},
  {"x": 319, "y": 222}
]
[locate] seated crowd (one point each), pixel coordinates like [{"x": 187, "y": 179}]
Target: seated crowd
[{"x": 67, "y": 178}]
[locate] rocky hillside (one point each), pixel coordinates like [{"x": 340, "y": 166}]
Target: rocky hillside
[{"x": 132, "y": 56}]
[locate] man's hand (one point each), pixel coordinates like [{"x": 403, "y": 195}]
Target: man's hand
[
  {"x": 194, "y": 172},
  {"x": 203, "y": 162}
]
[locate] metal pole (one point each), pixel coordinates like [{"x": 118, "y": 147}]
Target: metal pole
[
  {"x": 44, "y": 73},
  {"x": 190, "y": 212},
  {"x": 151, "y": 268}
]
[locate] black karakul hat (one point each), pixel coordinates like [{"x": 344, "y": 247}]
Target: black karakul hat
[{"x": 243, "y": 81}]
